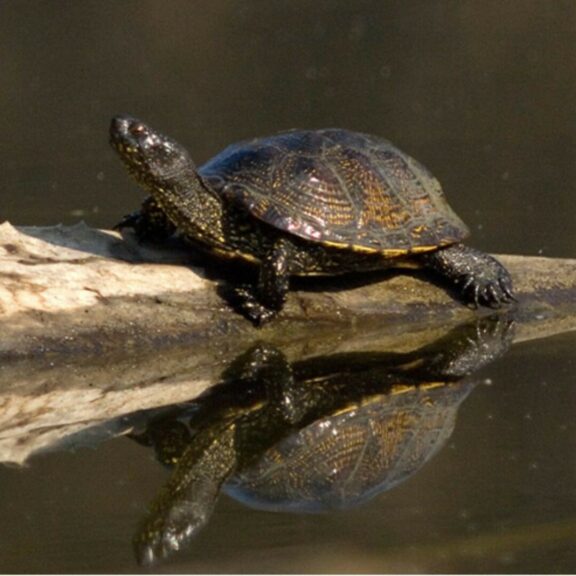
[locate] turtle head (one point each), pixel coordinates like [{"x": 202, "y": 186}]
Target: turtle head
[
  {"x": 152, "y": 158},
  {"x": 164, "y": 169}
]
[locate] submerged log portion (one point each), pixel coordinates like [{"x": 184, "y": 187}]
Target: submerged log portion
[{"x": 94, "y": 326}]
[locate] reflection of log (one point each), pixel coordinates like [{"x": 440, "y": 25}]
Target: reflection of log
[{"x": 75, "y": 289}]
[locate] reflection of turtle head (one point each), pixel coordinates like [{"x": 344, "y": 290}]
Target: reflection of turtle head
[{"x": 346, "y": 459}]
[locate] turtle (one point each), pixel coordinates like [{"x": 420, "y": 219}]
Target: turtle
[
  {"x": 305, "y": 202},
  {"x": 310, "y": 435}
]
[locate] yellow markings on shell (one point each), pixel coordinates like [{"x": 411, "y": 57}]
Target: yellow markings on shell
[
  {"x": 418, "y": 249},
  {"x": 387, "y": 252},
  {"x": 403, "y": 388},
  {"x": 233, "y": 254}
]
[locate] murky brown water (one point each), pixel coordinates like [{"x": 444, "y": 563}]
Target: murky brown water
[
  {"x": 481, "y": 92},
  {"x": 498, "y": 496}
]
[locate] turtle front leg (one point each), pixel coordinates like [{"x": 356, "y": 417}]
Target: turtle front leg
[
  {"x": 262, "y": 303},
  {"x": 479, "y": 277},
  {"x": 150, "y": 223}
]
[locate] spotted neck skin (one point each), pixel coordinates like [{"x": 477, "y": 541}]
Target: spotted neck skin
[
  {"x": 166, "y": 170},
  {"x": 191, "y": 207}
]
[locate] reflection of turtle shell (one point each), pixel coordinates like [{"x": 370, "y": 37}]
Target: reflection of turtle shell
[{"x": 348, "y": 457}]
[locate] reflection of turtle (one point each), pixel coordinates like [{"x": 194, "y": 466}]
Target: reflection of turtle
[
  {"x": 317, "y": 434},
  {"x": 348, "y": 457},
  {"x": 305, "y": 202}
]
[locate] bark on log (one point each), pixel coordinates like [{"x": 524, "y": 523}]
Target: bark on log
[{"x": 153, "y": 330}]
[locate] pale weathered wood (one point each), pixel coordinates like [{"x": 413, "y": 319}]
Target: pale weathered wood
[
  {"x": 147, "y": 330},
  {"x": 68, "y": 289}
]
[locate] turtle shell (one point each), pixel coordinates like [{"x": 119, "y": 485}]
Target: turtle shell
[{"x": 338, "y": 188}]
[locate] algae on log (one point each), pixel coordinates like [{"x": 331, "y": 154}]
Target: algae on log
[
  {"x": 65, "y": 289},
  {"x": 73, "y": 289}
]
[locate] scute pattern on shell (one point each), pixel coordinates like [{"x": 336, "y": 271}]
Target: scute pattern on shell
[{"x": 339, "y": 188}]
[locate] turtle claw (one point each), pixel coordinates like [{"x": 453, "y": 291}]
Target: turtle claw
[
  {"x": 506, "y": 288},
  {"x": 483, "y": 291}
]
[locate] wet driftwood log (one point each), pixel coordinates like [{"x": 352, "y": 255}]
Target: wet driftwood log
[
  {"x": 65, "y": 289},
  {"x": 94, "y": 326}
]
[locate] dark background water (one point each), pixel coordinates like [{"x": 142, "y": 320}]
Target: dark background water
[{"x": 481, "y": 91}]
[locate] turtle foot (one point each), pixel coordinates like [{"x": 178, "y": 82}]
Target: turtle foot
[
  {"x": 479, "y": 278},
  {"x": 493, "y": 292},
  {"x": 245, "y": 302},
  {"x": 150, "y": 223}
]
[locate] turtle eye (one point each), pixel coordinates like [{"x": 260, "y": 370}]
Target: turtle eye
[{"x": 137, "y": 129}]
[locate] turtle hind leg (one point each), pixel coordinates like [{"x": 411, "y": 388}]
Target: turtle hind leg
[
  {"x": 478, "y": 277},
  {"x": 262, "y": 303}
]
